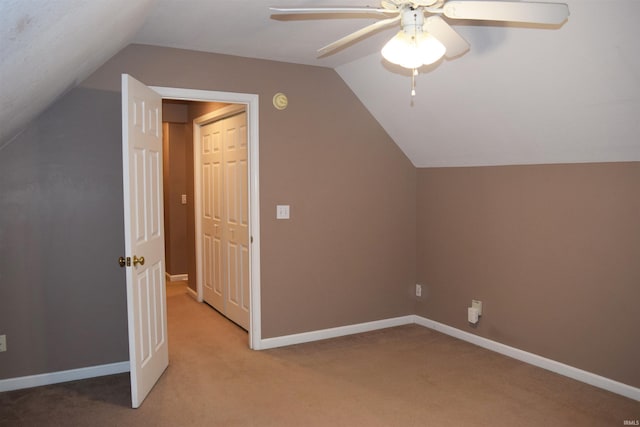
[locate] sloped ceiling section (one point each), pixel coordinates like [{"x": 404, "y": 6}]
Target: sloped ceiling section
[
  {"x": 521, "y": 95},
  {"x": 47, "y": 47}
]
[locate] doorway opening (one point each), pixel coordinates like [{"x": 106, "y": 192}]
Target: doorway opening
[{"x": 226, "y": 104}]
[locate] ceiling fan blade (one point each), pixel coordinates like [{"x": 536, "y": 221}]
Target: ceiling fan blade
[
  {"x": 358, "y": 34},
  {"x": 456, "y": 45},
  {"x": 320, "y": 10},
  {"x": 532, "y": 12}
]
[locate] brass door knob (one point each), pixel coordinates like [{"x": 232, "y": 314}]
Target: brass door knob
[
  {"x": 122, "y": 261},
  {"x": 137, "y": 260}
]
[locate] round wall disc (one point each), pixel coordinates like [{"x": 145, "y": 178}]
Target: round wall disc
[{"x": 280, "y": 101}]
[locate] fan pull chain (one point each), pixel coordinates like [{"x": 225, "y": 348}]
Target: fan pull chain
[{"x": 414, "y": 73}]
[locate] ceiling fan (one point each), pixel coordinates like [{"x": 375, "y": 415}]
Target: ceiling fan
[{"x": 424, "y": 36}]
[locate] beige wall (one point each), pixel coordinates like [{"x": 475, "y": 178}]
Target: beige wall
[
  {"x": 62, "y": 293},
  {"x": 347, "y": 255},
  {"x": 176, "y": 156},
  {"x": 553, "y": 251}
]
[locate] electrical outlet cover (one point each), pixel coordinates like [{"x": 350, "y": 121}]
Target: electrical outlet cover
[{"x": 477, "y": 305}]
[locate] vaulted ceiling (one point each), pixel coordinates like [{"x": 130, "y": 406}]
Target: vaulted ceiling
[{"x": 521, "y": 95}]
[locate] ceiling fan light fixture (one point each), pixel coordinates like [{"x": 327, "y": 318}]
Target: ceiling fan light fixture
[{"x": 413, "y": 51}]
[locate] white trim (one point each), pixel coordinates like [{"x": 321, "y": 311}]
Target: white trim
[
  {"x": 533, "y": 359},
  {"x": 63, "y": 376},
  {"x": 252, "y": 103},
  {"x": 219, "y": 114},
  {"x": 524, "y": 356},
  {"x": 176, "y": 277},
  {"x": 340, "y": 331},
  {"x": 197, "y": 188},
  {"x": 193, "y": 294}
]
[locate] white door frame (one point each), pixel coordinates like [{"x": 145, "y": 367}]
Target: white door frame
[{"x": 251, "y": 102}]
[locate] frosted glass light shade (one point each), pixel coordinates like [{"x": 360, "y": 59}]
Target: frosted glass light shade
[{"x": 413, "y": 51}]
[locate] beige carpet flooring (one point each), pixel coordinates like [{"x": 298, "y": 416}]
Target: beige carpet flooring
[{"x": 404, "y": 376}]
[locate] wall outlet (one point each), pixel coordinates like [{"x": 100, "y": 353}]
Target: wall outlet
[
  {"x": 418, "y": 290},
  {"x": 477, "y": 305},
  {"x": 3, "y": 343}
]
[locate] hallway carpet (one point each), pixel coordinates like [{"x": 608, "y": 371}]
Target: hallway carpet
[{"x": 403, "y": 376}]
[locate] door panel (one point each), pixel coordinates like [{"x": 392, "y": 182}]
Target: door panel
[
  {"x": 143, "y": 223},
  {"x": 211, "y": 166},
  {"x": 236, "y": 223}
]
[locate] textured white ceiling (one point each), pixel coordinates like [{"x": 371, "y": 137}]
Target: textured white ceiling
[
  {"x": 246, "y": 28},
  {"x": 520, "y": 95},
  {"x": 48, "y": 47}
]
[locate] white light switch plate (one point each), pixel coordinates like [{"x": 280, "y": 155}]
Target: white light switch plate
[
  {"x": 282, "y": 211},
  {"x": 183, "y": 199},
  {"x": 3, "y": 343}
]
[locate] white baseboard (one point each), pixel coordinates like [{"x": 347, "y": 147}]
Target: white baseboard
[
  {"x": 63, "y": 376},
  {"x": 533, "y": 359},
  {"x": 524, "y": 356},
  {"x": 176, "y": 277},
  {"x": 193, "y": 294},
  {"x": 340, "y": 331}
]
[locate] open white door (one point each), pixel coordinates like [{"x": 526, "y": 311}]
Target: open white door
[{"x": 144, "y": 236}]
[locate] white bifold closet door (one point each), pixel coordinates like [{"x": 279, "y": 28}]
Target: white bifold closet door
[{"x": 224, "y": 217}]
